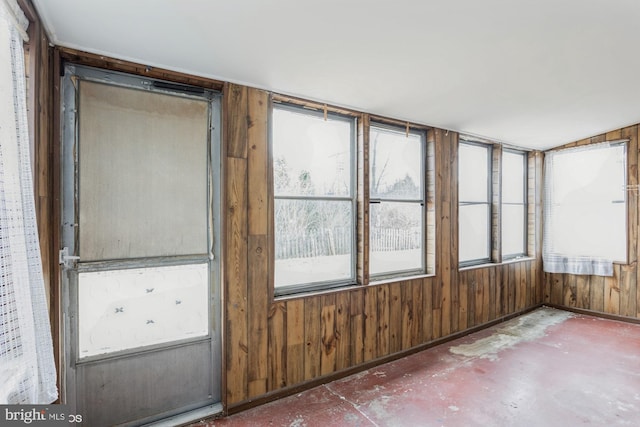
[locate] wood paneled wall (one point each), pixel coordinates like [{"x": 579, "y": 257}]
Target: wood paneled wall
[
  {"x": 617, "y": 295},
  {"x": 273, "y": 344}
]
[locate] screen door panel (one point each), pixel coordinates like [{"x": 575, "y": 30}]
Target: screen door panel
[
  {"x": 140, "y": 211},
  {"x": 142, "y": 173}
]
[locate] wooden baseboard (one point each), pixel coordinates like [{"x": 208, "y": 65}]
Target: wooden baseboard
[{"x": 594, "y": 313}]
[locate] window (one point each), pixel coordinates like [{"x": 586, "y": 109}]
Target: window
[
  {"x": 314, "y": 191},
  {"x": 474, "y": 196},
  {"x": 514, "y": 204},
  {"x": 585, "y": 209},
  {"x": 396, "y": 190}
]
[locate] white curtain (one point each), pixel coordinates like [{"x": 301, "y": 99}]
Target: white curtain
[
  {"x": 585, "y": 209},
  {"x": 27, "y": 368}
]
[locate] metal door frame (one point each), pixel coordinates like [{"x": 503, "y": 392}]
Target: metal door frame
[{"x": 69, "y": 227}]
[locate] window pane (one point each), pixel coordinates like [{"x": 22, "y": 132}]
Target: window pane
[
  {"x": 395, "y": 237},
  {"x": 313, "y": 242},
  {"x": 473, "y": 173},
  {"x": 513, "y": 229},
  {"x": 311, "y": 156},
  {"x": 588, "y": 209},
  {"x": 474, "y": 232},
  {"x": 512, "y": 177},
  {"x": 396, "y": 165},
  {"x": 125, "y": 309}
]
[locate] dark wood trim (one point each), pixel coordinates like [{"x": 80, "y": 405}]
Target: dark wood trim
[
  {"x": 113, "y": 64},
  {"x": 306, "y": 385},
  {"x": 314, "y": 105},
  {"x": 594, "y": 313},
  {"x": 400, "y": 123}
]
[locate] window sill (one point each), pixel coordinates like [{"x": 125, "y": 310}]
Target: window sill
[
  {"x": 350, "y": 287},
  {"x": 387, "y": 280},
  {"x": 497, "y": 264},
  {"x": 317, "y": 292}
]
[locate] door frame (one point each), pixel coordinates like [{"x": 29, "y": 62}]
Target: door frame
[{"x": 71, "y": 74}]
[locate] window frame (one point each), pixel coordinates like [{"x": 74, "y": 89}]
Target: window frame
[
  {"x": 322, "y": 285},
  {"x": 524, "y": 204},
  {"x": 489, "y": 148},
  {"x": 422, "y": 134}
]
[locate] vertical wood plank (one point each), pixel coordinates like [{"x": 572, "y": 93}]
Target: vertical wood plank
[
  {"x": 370, "y": 323},
  {"x": 343, "y": 330},
  {"x": 498, "y": 292},
  {"x": 258, "y": 161},
  {"x": 406, "y": 319},
  {"x": 491, "y": 294},
  {"x": 597, "y": 293},
  {"x": 312, "y": 337},
  {"x": 485, "y": 295},
  {"x": 627, "y": 284},
  {"x": 427, "y": 309},
  {"x": 236, "y": 113},
  {"x": 295, "y": 319},
  {"x": 277, "y": 347},
  {"x": 383, "y": 321},
  {"x": 362, "y": 267},
  {"x": 257, "y": 314},
  {"x": 416, "y": 306},
  {"x": 357, "y": 323},
  {"x": 612, "y": 291},
  {"x": 236, "y": 281},
  {"x": 512, "y": 289},
  {"x": 472, "y": 290},
  {"x": 479, "y": 311},
  {"x": 328, "y": 340},
  {"x": 583, "y": 291},
  {"x": 396, "y": 324},
  {"x": 464, "y": 301},
  {"x": 496, "y": 203},
  {"x": 569, "y": 290},
  {"x": 557, "y": 288}
]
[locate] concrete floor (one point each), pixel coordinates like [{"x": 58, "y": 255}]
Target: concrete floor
[{"x": 546, "y": 368}]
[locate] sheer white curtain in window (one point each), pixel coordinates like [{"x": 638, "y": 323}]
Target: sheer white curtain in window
[
  {"x": 585, "y": 227},
  {"x": 27, "y": 369}
]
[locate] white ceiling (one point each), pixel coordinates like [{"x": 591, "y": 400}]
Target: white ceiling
[{"x": 532, "y": 73}]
